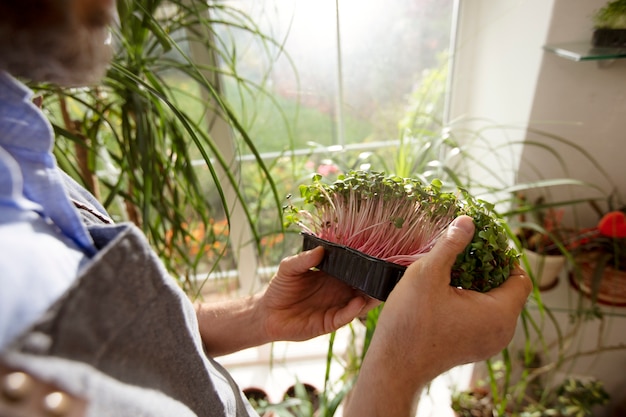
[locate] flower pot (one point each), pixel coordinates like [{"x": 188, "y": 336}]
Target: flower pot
[
  {"x": 545, "y": 268},
  {"x": 610, "y": 38},
  {"x": 608, "y": 287}
]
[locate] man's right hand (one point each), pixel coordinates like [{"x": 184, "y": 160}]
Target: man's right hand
[{"x": 427, "y": 327}]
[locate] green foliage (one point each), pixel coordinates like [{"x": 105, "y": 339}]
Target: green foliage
[
  {"x": 611, "y": 16},
  {"x": 300, "y": 400},
  {"x": 488, "y": 259},
  {"x": 572, "y": 398},
  {"x": 131, "y": 140},
  {"x": 577, "y": 398}
]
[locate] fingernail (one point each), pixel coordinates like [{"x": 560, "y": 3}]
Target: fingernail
[{"x": 464, "y": 223}]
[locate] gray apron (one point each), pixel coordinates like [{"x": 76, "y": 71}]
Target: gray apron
[{"x": 125, "y": 339}]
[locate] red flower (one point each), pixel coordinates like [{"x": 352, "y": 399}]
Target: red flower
[{"x": 613, "y": 224}]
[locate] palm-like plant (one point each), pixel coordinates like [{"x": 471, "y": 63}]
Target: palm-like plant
[{"x": 132, "y": 139}]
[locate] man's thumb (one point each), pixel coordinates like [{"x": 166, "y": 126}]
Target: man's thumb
[{"x": 454, "y": 240}]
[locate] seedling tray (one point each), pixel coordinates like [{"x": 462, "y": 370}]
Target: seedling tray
[{"x": 373, "y": 276}]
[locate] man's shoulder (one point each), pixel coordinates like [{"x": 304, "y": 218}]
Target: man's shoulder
[{"x": 37, "y": 266}]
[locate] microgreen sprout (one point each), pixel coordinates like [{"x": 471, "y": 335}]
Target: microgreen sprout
[{"x": 399, "y": 220}]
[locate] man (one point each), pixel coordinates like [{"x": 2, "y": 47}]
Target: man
[{"x": 87, "y": 308}]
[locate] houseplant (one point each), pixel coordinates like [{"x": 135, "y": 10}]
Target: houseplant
[
  {"x": 542, "y": 238},
  {"x": 610, "y": 25},
  {"x": 542, "y": 389},
  {"x": 600, "y": 255},
  {"x": 574, "y": 397},
  {"x": 135, "y": 136},
  {"x": 397, "y": 220}
]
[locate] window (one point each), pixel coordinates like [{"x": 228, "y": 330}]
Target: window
[
  {"x": 329, "y": 85},
  {"x": 316, "y": 86}
]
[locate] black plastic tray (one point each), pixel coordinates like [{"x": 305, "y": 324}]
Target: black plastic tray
[{"x": 373, "y": 276}]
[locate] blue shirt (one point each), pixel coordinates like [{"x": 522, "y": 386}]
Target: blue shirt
[{"x": 43, "y": 243}]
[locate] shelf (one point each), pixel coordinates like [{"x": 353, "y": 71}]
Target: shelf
[{"x": 585, "y": 51}]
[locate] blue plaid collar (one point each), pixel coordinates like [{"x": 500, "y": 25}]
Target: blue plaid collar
[{"x": 29, "y": 176}]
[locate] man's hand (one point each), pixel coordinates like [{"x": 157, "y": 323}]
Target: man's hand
[
  {"x": 427, "y": 327},
  {"x": 298, "y": 304},
  {"x": 301, "y": 303}
]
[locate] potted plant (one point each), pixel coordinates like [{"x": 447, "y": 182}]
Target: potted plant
[
  {"x": 373, "y": 226},
  {"x": 610, "y": 25},
  {"x": 540, "y": 388},
  {"x": 575, "y": 397},
  {"x": 135, "y": 136},
  {"x": 542, "y": 238},
  {"x": 600, "y": 254}
]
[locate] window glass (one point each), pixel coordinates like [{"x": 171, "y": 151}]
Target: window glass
[{"x": 329, "y": 85}]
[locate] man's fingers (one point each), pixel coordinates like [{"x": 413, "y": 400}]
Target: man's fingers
[
  {"x": 515, "y": 290},
  {"x": 302, "y": 262},
  {"x": 439, "y": 261}
]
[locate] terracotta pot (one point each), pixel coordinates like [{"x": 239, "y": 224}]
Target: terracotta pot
[
  {"x": 545, "y": 268},
  {"x": 610, "y": 285}
]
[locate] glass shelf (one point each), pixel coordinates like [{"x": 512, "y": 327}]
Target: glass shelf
[{"x": 585, "y": 51}]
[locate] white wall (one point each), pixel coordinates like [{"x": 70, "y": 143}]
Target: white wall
[
  {"x": 497, "y": 58},
  {"x": 584, "y": 100},
  {"x": 502, "y": 74},
  {"x": 496, "y": 63}
]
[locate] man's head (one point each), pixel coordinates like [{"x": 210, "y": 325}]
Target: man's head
[{"x": 58, "y": 41}]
